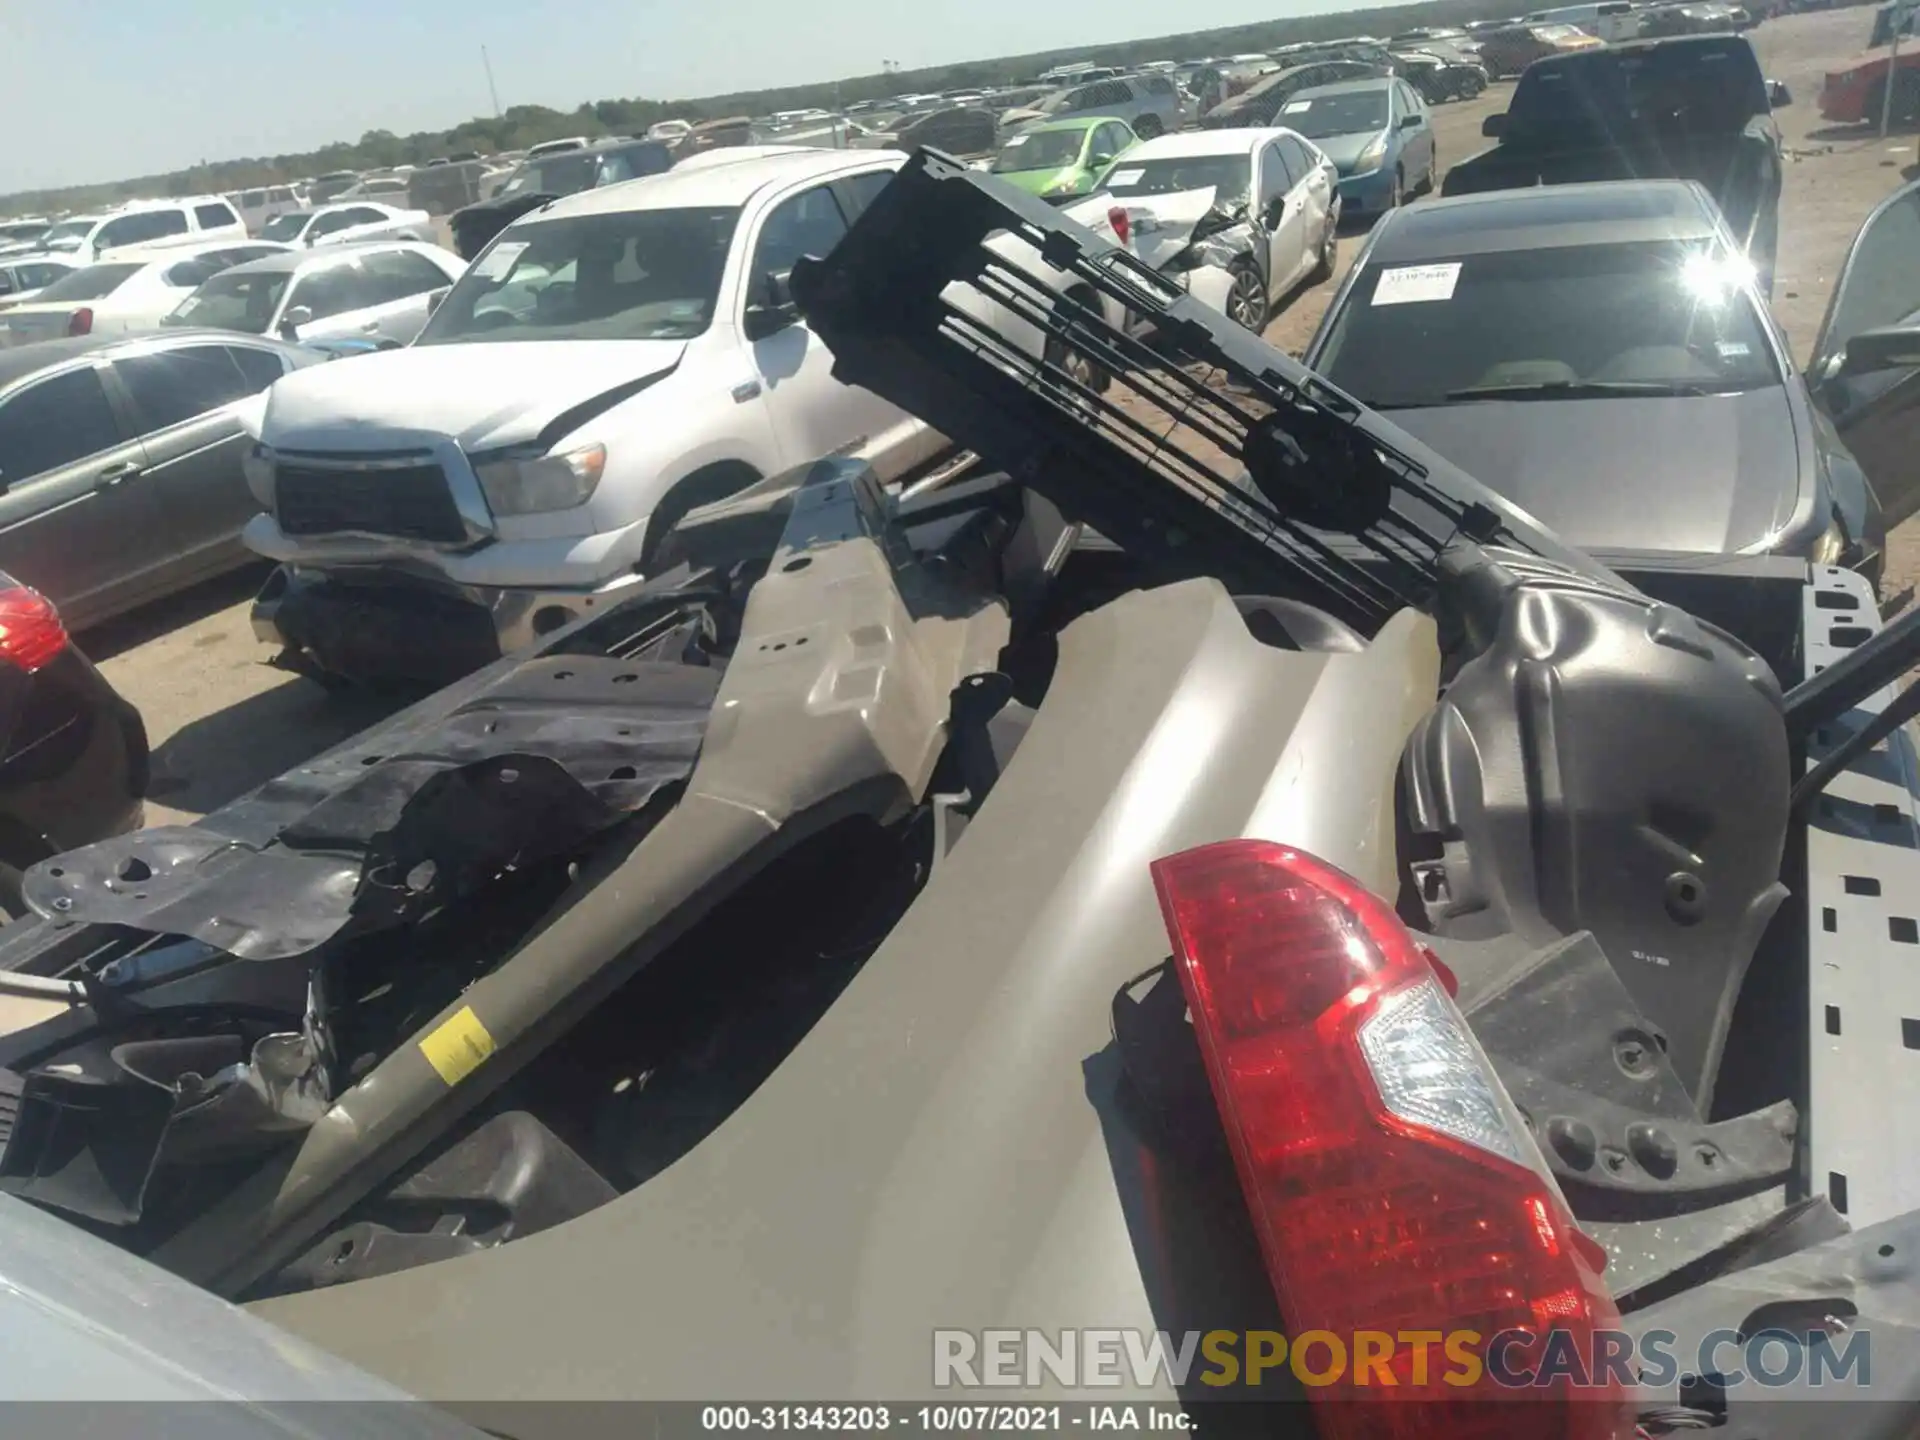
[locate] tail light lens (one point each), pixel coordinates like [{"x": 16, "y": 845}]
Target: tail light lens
[
  {"x": 1122, "y": 225},
  {"x": 1391, "y": 1181},
  {"x": 30, "y": 630},
  {"x": 80, "y": 322}
]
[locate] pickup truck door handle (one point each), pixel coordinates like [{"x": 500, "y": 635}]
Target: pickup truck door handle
[{"x": 114, "y": 475}]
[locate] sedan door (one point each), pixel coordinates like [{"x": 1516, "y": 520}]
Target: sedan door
[
  {"x": 340, "y": 299},
  {"x": 78, "y": 521},
  {"x": 1866, "y": 359},
  {"x": 181, "y": 398},
  {"x": 404, "y": 283},
  {"x": 1288, "y": 236},
  {"x": 1418, "y": 153}
]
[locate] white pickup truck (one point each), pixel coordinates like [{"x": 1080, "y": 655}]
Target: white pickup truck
[{"x": 609, "y": 362}]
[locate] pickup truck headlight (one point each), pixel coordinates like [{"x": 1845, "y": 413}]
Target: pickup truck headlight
[
  {"x": 532, "y": 484},
  {"x": 1372, "y": 157}
]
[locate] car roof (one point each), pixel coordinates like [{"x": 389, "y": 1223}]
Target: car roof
[
  {"x": 1604, "y": 212},
  {"x": 1241, "y": 141},
  {"x": 1346, "y": 87},
  {"x": 713, "y": 184},
  {"x": 1079, "y": 120},
  {"x": 290, "y": 260}
]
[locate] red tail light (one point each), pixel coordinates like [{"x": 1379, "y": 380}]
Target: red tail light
[
  {"x": 80, "y": 322},
  {"x": 30, "y": 630},
  {"x": 1393, "y": 1185},
  {"x": 1122, "y": 226}
]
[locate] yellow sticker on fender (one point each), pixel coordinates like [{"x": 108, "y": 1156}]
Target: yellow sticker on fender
[{"x": 456, "y": 1048}]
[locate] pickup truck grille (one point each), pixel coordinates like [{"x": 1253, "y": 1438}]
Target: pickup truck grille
[{"x": 410, "y": 501}]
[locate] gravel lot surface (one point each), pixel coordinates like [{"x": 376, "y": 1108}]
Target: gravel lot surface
[{"x": 223, "y": 721}]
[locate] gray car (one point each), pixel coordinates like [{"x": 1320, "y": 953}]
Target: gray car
[
  {"x": 381, "y": 291},
  {"x": 1599, "y": 354},
  {"x": 1152, "y": 104},
  {"x": 120, "y": 476}
]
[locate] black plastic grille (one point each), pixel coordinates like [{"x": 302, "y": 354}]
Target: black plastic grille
[{"x": 411, "y": 502}]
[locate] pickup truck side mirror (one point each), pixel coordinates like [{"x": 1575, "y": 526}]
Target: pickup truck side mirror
[
  {"x": 1494, "y": 126},
  {"x": 771, "y": 308},
  {"x": 1889, "y": 347},
  {"x": 1778, "y": 94},
  {"x": 291, "y": 322}
]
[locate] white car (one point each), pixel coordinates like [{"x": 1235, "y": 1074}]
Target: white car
[
  {"x": 146, "y": 224},
  {"x": 25, "y": 275},
  {"x": 1240, "y": 216},
  {"x": 132, "y": 290},
  {"x": 258, "y": 206},
  {"x": 349, "y": 222},
  {"x": 606, "y": 364},
  {"x": 381, "y": 291}
]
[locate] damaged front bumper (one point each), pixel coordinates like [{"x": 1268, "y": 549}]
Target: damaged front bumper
[{"x": 374, "y": 624}]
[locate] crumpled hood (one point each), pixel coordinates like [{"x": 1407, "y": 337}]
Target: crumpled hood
[
  {"x": 1343, "y": 150},
  {"x": 1701, "y": 476},
  {"x": 1161, "y": 225},
  {"x": 483, "y": 395}
]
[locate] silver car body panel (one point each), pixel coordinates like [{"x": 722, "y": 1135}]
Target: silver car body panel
[{"x": 936, "y": 1152}]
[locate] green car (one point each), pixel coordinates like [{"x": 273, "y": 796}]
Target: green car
[{"x": 1060, "y": 159}]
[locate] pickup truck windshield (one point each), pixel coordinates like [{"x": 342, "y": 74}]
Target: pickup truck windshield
[
  {"x": 1569, "y": 322},
  {"x": 623, "y": 275},
  {"x": 1710, "y": 88},
  {"x": 563, "y": 174}
]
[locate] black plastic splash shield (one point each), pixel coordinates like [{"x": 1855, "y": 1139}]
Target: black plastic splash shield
[
  {"x": 1018, "y": 333},
  {"x": 549, "y": 753}
]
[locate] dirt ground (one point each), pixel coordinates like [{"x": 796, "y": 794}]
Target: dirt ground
[{"x": 223, "y": 721}]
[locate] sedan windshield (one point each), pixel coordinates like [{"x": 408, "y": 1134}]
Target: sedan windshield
[
  {"x": 1229, "y": 175},
  {"x": 235, "y": 300},
  {"x": 1568, "y": 322},
  {"x": 1040, "y": 150},
  {"x": 625, "y": 275},
  {"x": 1351, "y": 112},
  {"x": 92, "y": 283},
  {"x": 286, "y": 227}
]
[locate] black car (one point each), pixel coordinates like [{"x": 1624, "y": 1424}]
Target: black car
[
  {"x": 73, "y": 753},
  {"x": 546, "y": 177},
  {"x": 1600, "y": 354}
]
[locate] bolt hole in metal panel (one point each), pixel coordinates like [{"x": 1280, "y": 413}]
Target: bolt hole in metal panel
[{"x": 1863, "y": 912}]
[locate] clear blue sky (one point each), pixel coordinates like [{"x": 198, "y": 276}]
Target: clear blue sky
[{"x": 109, "y": 89}]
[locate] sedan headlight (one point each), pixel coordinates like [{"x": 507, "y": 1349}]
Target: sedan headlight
[
  {"x": 1372, "y": 157},
  {"x": 1831, "y": 547},
  {"x": 256, "y": 467},
  {"x": 529, "y": 485}
]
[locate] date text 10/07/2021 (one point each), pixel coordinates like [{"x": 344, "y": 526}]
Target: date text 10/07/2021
[{"x": 946, "y": 1419}]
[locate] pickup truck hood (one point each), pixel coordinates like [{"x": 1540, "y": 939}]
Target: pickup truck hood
[
  {"x": 1161, "y": 224},
  {"x": 1701, "y": 476},
  {"x": 484, "y": 395}
]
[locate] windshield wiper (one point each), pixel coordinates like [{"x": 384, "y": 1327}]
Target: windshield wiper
[{"x": 1578, "y": 390}]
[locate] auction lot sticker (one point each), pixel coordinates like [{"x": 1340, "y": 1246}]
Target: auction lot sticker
[{"x": 1406, "y": 284}]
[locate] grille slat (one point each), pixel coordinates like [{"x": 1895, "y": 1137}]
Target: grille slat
[{"x": 411, "y": 502}]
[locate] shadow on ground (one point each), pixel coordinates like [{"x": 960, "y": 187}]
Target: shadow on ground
[
  {"x": 220, "y": 757},
  {"x": 162, "y": 617}
]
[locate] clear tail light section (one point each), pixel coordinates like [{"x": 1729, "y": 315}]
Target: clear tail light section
[
  {"x": 1393, "y": 1185},
  {"x": 31, "y": 633}
]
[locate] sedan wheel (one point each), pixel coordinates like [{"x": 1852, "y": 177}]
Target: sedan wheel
[{"x": 1247, "y": 301}]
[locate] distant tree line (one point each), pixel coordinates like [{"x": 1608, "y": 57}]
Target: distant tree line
[{"x": 524, "y": 125}]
